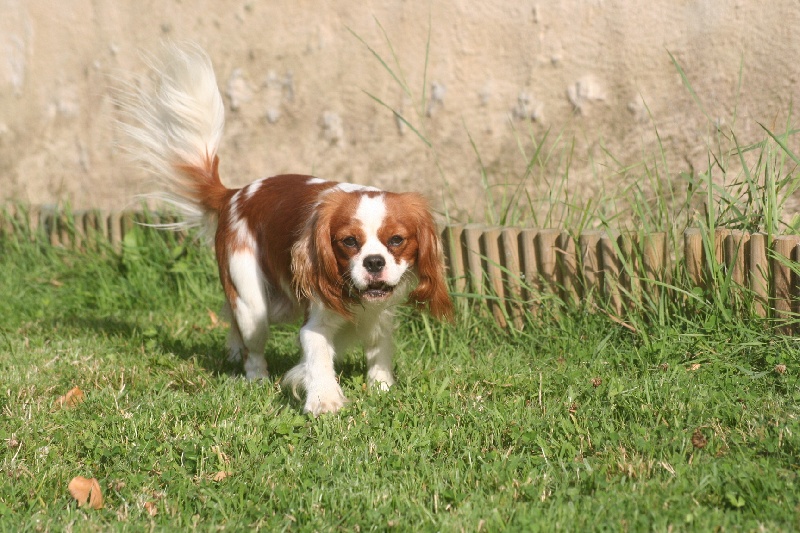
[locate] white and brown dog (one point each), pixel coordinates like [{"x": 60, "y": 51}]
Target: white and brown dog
[{"x": 343, "y": 256}]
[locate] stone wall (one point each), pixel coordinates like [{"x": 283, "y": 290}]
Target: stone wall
[{"x": 305, "y": 93}]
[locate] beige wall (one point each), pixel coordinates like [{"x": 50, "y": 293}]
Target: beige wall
[{"x": 295, "y": 80}]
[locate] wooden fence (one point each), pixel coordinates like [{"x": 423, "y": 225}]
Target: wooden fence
[
  {"x": 76, "y": 229},
  {"x": 515, "y": 269}
]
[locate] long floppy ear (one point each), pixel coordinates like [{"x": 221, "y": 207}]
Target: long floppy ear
[
  {"x": 315, "y": 275},
  {"x": 431, "y": 292}
]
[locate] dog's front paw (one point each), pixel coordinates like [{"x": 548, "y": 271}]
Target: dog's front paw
[
  {"x": 324, "y": 399},
  {"x": 380, "y": 380},
  {"x": 255, "y": 367}
]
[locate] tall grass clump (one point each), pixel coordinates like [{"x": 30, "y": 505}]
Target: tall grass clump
[
  {"x": 743, "y": 186},
  {"x": 157, "y": 268}
]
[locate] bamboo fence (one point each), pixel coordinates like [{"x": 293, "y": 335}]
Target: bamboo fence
[{"x": 515, "y": 269}]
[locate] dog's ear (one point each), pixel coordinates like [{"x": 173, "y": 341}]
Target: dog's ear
[
  {"x": 431, "y": 291},
  {"x": 315, "y": 273}
]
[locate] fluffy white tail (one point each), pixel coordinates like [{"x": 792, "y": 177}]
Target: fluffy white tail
[{"x": 175, "y": 124}]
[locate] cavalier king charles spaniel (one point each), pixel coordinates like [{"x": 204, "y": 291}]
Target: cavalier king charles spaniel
[{"x": 340, "y": 256}]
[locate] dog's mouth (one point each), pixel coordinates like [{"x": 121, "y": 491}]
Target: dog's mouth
[{"x": 377, "y": 290}]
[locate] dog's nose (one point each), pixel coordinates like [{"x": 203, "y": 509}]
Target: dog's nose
[{"x": 374, "y": 263}]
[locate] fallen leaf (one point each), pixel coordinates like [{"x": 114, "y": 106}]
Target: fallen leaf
[
  {"x": 596, "y": 382},
  {"x": 86, "y": 491},
  {"x": 698, "y": 439},
  {"x": 72, "y": 398},
  {"x": 694, "y": 367},
  {"x": 780, "y": 369},
  {"x": 214, "y": 318},
  {"x": 219, "y": 476},
  {"x": 152, "y": 508}
]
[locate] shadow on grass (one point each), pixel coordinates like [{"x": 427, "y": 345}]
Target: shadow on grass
[{"x": 205, "y": 346}]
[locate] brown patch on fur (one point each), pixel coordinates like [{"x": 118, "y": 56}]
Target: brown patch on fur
[
  {"x": 274, "y": 215},
  {"x": 203, "y": 184},
  {"x": 319, "y": 262},
  {"x": 410, "y": 217}
]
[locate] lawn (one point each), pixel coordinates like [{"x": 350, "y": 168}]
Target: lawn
[{"x": 574, "y": 423}]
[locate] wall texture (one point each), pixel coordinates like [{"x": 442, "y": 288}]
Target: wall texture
[{"x": 304, "y": 93}]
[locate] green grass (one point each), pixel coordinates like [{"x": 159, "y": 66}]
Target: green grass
[
  {"x": 678, "y": 419},
  {"x": 575, "y": 423}
]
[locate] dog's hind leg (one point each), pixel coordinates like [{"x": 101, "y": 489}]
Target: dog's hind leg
[
  {"x": 235, "y": 343},
  {"x": 249, "y": 324}
]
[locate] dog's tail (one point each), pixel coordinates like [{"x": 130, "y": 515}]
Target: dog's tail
[{"x": 175, "y": 123}]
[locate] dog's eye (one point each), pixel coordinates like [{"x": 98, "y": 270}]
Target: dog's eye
[
  {"x": 350, "y": 242},
  {"x": 396, "y": 240}
]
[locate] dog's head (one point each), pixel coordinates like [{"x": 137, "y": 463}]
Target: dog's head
[{"x": 364, "y": 246}]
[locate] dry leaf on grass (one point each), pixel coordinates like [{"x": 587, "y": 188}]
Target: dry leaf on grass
[
  {"x": 695, "y": 366},
  {"x": 86, "y": 491},
  {"x": 72, "y": 398},
  {"x": 698, "y": 439},
  {"x": 151, "y": 508},
  {"x": 213, "y": 317},
  {"x": 219, "y": 476}
]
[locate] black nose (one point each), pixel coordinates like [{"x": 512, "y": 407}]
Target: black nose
[{"x": 374, "y": 263}]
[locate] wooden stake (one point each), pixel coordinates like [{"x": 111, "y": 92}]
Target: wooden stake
[
  {"x": 94, "y": 229},
  {"x": 530, "y": 268},
  {"x": 490, "y": 252},
  {"x": 720, "y": 235},
  {"x": 567, "y": 267},
  {"x": 546, "y": 255},
  {"x": 629, "y": 269},
  {"x": 114, "y": 229},
  {"x": 783, "y": 293},
  {"x": 590, "y": 264},
  {"x": 454, "y": 259},
  {"x": 612, "y": 265},
  {"x": 48, "y": 223},
  {"x": 79, "y": 230},
  {"x": 758, "y": 272},
  {"x": 736, "y": 244},
  {"x": 512, "y": 275},
  {"x": 471, "y": 250},
  {"x": 693, "y": 256},
  {"x": 127, "y": 222},
  {"x": 654, "y": 259}
]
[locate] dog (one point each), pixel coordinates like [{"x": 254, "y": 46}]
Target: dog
[{"x": 340, "y": 256}]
